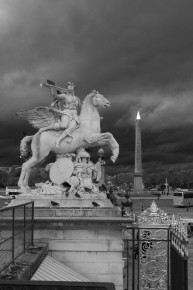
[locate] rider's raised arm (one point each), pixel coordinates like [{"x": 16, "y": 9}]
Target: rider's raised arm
[
  {"x": 61, "y": 96},
  {"x": 53, "y": 92},
  {"x": 56, "y": 95}
]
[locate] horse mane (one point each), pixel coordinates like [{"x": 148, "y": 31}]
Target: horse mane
[
  {"x": 87, "y": 101},
  {"x": 88, "y": 111}
]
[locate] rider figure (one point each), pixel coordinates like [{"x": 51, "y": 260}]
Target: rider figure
[{"x": 69, "y": 118}]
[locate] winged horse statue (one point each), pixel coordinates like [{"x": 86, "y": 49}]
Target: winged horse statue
[{"x": 87, "y": 135}]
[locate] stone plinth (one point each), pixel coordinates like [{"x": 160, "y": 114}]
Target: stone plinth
[
  {"x": 138, "y": 183},
  {"x": 91, "y": 246},
  {"x": 58, "y": 205},
  {"x": 85, "y": 237},
  {"x": 77, "y": 212},
  {"x": 85, "y": 201}
]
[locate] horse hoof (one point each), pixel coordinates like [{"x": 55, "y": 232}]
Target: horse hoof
[
  {"x": 113, "y": 159},
  {"x": 25, "y": 189}
]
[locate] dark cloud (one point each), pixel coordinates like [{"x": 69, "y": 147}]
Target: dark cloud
[{"x": 137, "y": 53}]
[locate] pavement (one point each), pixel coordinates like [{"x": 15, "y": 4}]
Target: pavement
[{"x": 153, "y": 197}]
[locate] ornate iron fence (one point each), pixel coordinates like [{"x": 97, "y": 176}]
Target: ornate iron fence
[
  {"x": 146, "y": 258},
  {"x": 155, "y": 253},
  {"x": 16, "y": 232}
]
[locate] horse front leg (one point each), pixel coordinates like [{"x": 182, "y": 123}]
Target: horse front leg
[
  {"x": 104, "y": 139},
  {"x": 113, "y": 145}
]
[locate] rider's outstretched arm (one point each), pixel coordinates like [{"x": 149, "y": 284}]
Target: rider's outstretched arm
[
  {"x": 56, "y": 96},
  {"x": 60, "y": 96},
  {"x": 53, "y": 92}
]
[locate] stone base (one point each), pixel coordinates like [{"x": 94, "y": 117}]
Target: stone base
[
  {"x": 138, "y": 184},
  {"x": 137, "y": 192},
  {"x": 86, "y": 200},
  {"x": 58, "y": 205},
  {"x": 90, "y": 246},
  {"x": 86, "y": 239},
  {"x": 77, "y": 212}
]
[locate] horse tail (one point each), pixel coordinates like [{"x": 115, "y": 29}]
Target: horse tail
[{"x": 24, "y": 148}]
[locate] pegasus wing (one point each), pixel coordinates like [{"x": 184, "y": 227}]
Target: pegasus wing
[{"x": 39, "y": 117}]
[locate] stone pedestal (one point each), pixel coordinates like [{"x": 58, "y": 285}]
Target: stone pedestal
[
  {"x": 86, "y": 200},
  {"x": 91, "y": 246},
  {"x": 57, "y": 205},
  {"x": 85, "y": 237},
  {"x": 138, "y": 183}
]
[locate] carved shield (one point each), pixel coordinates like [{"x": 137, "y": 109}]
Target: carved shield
[{"x": 61, "y": 170}]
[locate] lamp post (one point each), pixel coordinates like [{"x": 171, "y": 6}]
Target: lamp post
[
  {"x": 102, "y": 164},
  {"x": 128, "y": 202},
  {"x": 166, "y": 187}
]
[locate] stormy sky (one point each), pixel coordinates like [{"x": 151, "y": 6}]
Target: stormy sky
[{"x": 138, "y": 54}]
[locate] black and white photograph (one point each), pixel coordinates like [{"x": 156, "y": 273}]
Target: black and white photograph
[{"x": 96, "y": 144}]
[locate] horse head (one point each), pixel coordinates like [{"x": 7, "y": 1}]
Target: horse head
[
  {"x": 89, "y": 116},
  {"x": 99, "y": 100}
]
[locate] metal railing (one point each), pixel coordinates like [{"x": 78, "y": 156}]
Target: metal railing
[
  {"x": 56, "y": 285},
  {"x": 16, "y": 232},
  {"x": 179, "y": 260},
  {"x": 155, "y": 256}
]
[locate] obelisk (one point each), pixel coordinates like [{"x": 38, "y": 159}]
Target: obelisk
[{"x": 138, "y": 181}]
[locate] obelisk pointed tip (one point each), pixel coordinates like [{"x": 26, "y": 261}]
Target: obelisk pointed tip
[{"x": 138, "y": 116}]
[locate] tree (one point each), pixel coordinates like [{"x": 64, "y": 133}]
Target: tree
[
  {"x": 3, "y": 178},
  {"x": 13, "y": 175},
  {"x": 38, "y": 175}
]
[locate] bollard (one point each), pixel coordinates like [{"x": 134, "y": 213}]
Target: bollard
[{"x": 122, "y": 210}]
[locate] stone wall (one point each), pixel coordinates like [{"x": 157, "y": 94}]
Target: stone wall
[{"x": 92, "y": 247}]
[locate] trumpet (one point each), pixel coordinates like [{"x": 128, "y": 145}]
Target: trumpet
[{"x": 53, "y": 86}]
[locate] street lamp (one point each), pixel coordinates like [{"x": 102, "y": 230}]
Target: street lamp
[{"x": 102, "y": 165}]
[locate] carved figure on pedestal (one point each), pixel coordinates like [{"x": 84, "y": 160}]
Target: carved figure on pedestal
[
  {"x": 74, "y": 171},
  {"x": 87, "y": 135},
  {"x": 60, "y": 173},
  {"x": 85, "y": 170}
]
